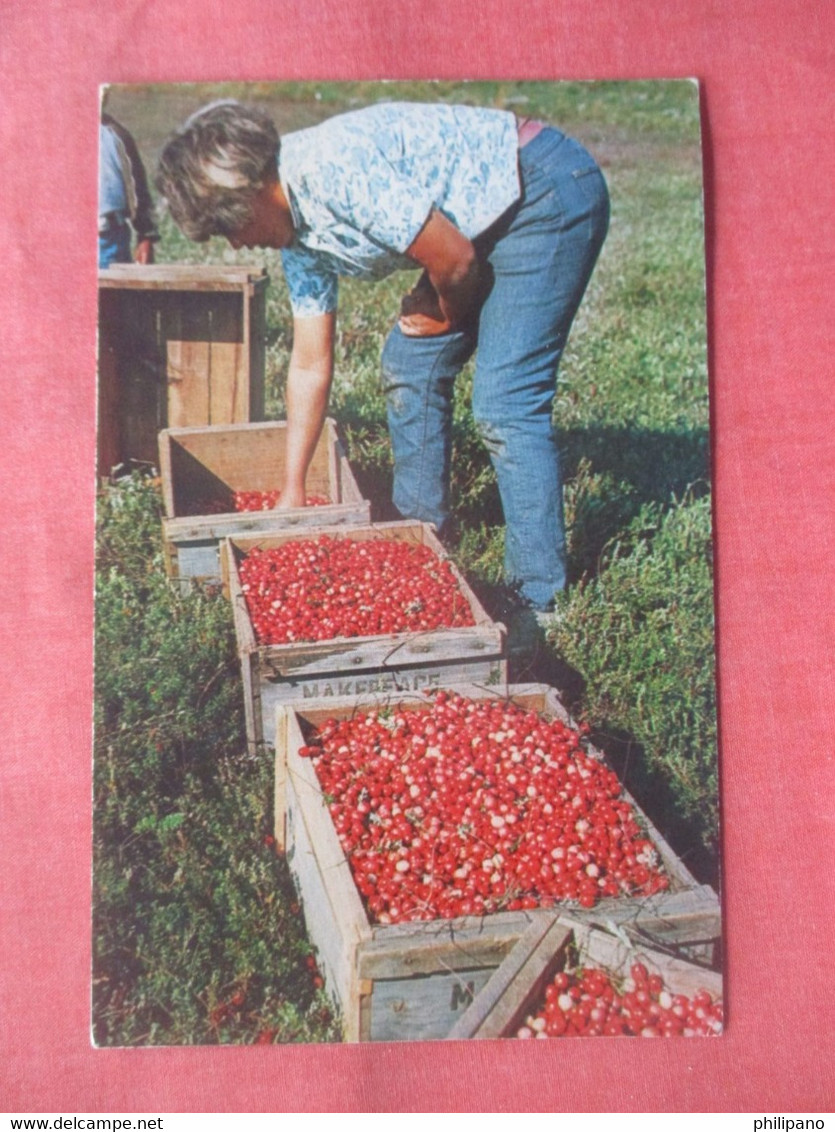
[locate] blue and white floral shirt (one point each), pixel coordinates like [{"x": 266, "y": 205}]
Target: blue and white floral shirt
[{"x": 362, "y": 185}]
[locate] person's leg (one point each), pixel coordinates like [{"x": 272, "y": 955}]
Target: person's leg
[
  {"x": 542, "y": 257},
  {"x": 418, "y": 376}
]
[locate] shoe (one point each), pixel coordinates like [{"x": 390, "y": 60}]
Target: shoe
[
  {"x": 548, "y": 619},
  {"x": 528, "y": 630}
]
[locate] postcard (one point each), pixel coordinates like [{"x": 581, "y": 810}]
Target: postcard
[{"x": 405, "y": 698}]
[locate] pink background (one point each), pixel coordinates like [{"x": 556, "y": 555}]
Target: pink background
[{"x": 766, "y": 66}]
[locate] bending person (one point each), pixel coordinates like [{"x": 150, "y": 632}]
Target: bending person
[{"x": 505, "y": 218}]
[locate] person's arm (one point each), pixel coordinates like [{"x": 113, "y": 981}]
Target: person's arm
[
  {"x": 450, "y": 288},
  {"x": 308, "y": 388}
]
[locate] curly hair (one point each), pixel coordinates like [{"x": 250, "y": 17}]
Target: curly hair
[{"x": 212, "y": 167}]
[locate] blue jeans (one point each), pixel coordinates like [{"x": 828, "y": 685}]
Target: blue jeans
[
  {"x": 538, "y": 259},
  {"x": 114, "y": 245}
]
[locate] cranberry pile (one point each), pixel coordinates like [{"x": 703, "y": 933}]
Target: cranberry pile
[
  {"x": 266, "y": 500},
  {"x": 590, "y": 1002},
  {"x": 318, "y": 589},
  {"x": 470, "y": 806}
]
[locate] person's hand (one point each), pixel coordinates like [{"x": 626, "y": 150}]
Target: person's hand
[
  {"x": 420, "y": 312},
  {"x": 144, "y": 252}
]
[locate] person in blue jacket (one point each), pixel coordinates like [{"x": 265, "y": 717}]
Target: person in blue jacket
[
  {"x": 504, "y": 220},
  {"x": 124, "y": 198}
]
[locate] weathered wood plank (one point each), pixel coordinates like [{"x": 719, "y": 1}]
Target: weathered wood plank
[
  {"x": 389, "y": 683},
  {"x": 255, "y": 344},
  {"x": 334, "y": 915},
  {"x": 522, "y": 975},
  {"x": 260, "y": 524},
  {"x": 142, "y": 392},
  {"x": 336, "y": 871},
  {"x": 673, "y": 919},
  {"x": 228, "y": 360},
  {"x": 419, "y": 948},
  {"x": 422, "y": 1008},
  {"x": 286, "y": 733},
  {"x": 342, "y": 654},
  {"x": 181, "y": 277},
  {"x": 336, "y": 949},
  {"x": 186, "y": 331},
  {"x": 107, "y": 406}
]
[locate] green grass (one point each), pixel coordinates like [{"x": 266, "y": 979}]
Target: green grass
[
  {"x": 191, "y": 909},
  {"x": 197, "y": 935}
]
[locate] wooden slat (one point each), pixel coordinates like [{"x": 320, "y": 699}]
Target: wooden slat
[
  {"x": 334, "y": 914},
  {"x": 403, "y": 530},
  {"x": 687, "y": 922},
  {"x": 382, "y": 684},
  {"x": 141, "y": 378},
  {"x": 228, "y": 361},
  {"x": 181, "y": 277},
  {"x": 419, "y": 948},
  {"x": 680, "y": 977},
  {"x": 256, "y": 523},
  {"x": 108, "y": 402},
  {"x": 165, "y": 471},
  {"x": 287, "y": 733},
  {"x": 349, "y": 491},
  {"x": 186, "y": 332},
  {"x": 254, "y": 344},
  {"x": 517, "y": 982},
  {"x": 422, "y": 1009},
  {"x": 390, "y": 650},
  {"x": 244, "y": 634},
  {"x": 260, "y": 524},
  {"x": 334, "y": 942},
  {"x": 331, "y": 860}
]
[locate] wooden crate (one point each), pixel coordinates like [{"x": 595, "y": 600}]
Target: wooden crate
[
  {"x": 345, "y": 666},
  {"x": 202, "y": 468},
  {"x": 414, "y": 981},
  {"x": 179, "y": 345},
  {"x": 516, "y": 989}
]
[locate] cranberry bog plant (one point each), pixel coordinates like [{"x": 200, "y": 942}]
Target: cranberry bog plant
[
  {"x": 197, "y": 934},
  {"x": 198, "y": 937}
]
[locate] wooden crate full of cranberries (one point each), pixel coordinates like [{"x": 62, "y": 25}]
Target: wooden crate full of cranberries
[
  {"x": 222, "y": 480},
  {"x": 426, "y": 832},
  {"x": 353, "y": 611}
]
